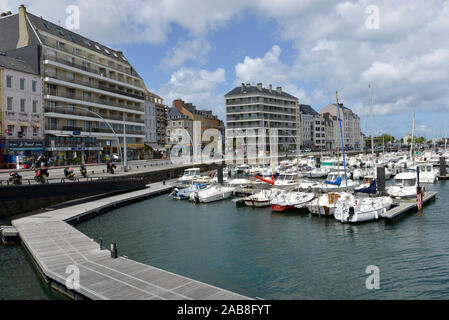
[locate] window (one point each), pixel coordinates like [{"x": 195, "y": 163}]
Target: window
[
  {"x": 34, "y": 86},
  {"x": 51, "y": 53},
  {"x": 22, "y": 105},
  {"x": 9, "y": 103},
  {"x": 70, "y": 93},
  {"x": 107, "y": 51},
  {"x": 96, "y": 46},
  {"x": 46, "y": 25},
  {"x": 51, "y": 106},
  {"x": 60, "y": 45},
  {"x": 34, "y": 106},
  {"x": 35, "y": 131},
  {"x": 77, "y": 51},
  {"x": 23, "y": 132},
  {"x": 22, "y": 84},
  {"x": 70, "y": 122},
  {"x": 8, "y": 81},
  {"x": 10, "y": 130},
  {"x": 86, "y": 42},
  {"x": 71, "y": 37},
  {"x": 60, "y": 31}
]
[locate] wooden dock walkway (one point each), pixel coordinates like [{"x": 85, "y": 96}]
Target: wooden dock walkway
[
  {"x": 56, "y": 246},
  {"x": 403, "y": 206}
]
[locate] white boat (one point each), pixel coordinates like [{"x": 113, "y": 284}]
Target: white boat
[
  {"x": 262, "y": 198},
  {"x": 326, "y": 203},
  {"x": 189, "y": 176},
  {"x": 318, "y": 172},
  {"x": 364, "y": 209},
  {"x": 214, "y": 193},
  {"x": 287, "y": 180},
  {"x": 184, "y": 194},
  {"x": 427, "y": 173},
  {"x": 404, "y": 185},
  {"x": 287, "y": 201}
]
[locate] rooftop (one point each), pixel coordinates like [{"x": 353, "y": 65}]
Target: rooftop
[
  {"x": 248, "y": 89},
  {"x": 15, "y": 64}
]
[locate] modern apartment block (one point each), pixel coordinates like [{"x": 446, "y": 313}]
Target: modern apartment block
[
  {"x": 91, "y": 93},
  {"x": 352, "y": 135},
  {"x": 258, "y": 108},
  {"x": 21, "y": 115}
]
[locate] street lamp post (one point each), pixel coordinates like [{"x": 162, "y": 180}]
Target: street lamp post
[
  {"x": 125, "y": 151},
  {"x": 109, "y": 125}
]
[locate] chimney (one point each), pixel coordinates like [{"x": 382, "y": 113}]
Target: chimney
[
  {"x": 243, "y": 87},
  {"x": 279, "y": 90},
  {"x": 24, "y": 36},
  {"x": 271, "y": 88},
  {"x": 248, "y": 85},
  {"x": 259, "y": 86}
]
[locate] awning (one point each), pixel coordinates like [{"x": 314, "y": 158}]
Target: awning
[{"x": 153, "y": 146}]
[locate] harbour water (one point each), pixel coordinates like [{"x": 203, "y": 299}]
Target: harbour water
[{"x": 257, "y": 253}]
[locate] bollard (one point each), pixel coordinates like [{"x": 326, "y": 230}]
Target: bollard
[
  {"x": 163, "y": 182},
  {"x": 220, "y": 173},
  {"x": 443, "y": 171},
  {"x": 113, "y": 250},
  {"x": 380, "y": 183},
  {"x": 101, "y": 244}
]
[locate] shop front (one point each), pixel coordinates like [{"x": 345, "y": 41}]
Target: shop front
[{"x": 27, "y": 151}]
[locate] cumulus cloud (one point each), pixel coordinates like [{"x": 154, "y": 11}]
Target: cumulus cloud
[
  {"x": 271, "y": 70},
  {"x": 185, "y": 50},
  {"x": 197, "y": 86}
]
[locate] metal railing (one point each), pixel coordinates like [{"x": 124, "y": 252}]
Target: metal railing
[
  {"x": 95, "y": 71},
  {"x": 66, "y": 110},
  {"x": 89, "y": 98},
  {"x": 93, "y": 61}
]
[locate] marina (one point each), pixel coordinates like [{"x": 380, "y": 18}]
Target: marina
[{"x": 54, "y": 244}]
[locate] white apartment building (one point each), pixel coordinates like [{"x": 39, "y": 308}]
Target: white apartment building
[
  {"x": 258, "y": 109},
  {"x": 21, "y": 115},
  {"x": 352, "y": 135},
  {"x": 90, "y": 90}
]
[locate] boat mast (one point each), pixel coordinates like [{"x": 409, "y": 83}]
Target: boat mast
[
  {"x": 342, "y": 143},
  {"x": 413, "y": 138},
  {"x": 298, "y": 145},
  {"x": 371, "y": 125}
]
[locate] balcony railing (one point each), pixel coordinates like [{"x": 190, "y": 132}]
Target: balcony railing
[
  {"x": 77, "y": 112},
  {"x": 92, "y": 129},
  {"x": 95, "y": 71},
  {"x": 89, "y": 98},
  {"x": 93, "y": 61}
]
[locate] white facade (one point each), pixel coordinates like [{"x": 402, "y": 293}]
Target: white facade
[
  {"x": 352, "y": 135},
  {"x": 255, "y": 110},
  {"x": 22, "y": 102}
]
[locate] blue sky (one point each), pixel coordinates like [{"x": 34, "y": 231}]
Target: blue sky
[{"x": 198, "y": 50}]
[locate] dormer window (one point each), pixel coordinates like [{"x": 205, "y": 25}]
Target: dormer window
[
  {"x": 60, "y": 31},
  {"x": 72, "y": 38}
]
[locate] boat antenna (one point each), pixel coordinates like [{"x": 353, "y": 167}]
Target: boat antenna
[{"x": 342, "y": 143}]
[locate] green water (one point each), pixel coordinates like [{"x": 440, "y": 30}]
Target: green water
[
  {"x": 19, "y": 278},
  {"x": 272, "y": 256}
]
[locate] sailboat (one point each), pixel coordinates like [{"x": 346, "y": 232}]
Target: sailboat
[
  {"x": 364, "y": 209},
  {"x": 292, "y": 200}
]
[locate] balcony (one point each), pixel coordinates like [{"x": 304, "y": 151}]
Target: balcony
[
  {"x": 54, "y": 127},
  {"x": 93, "y": 61},
  {"x": 78, "y": 112},
  {"x": 89, "y": 98},
  {"x": 89, "y": 84}
]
